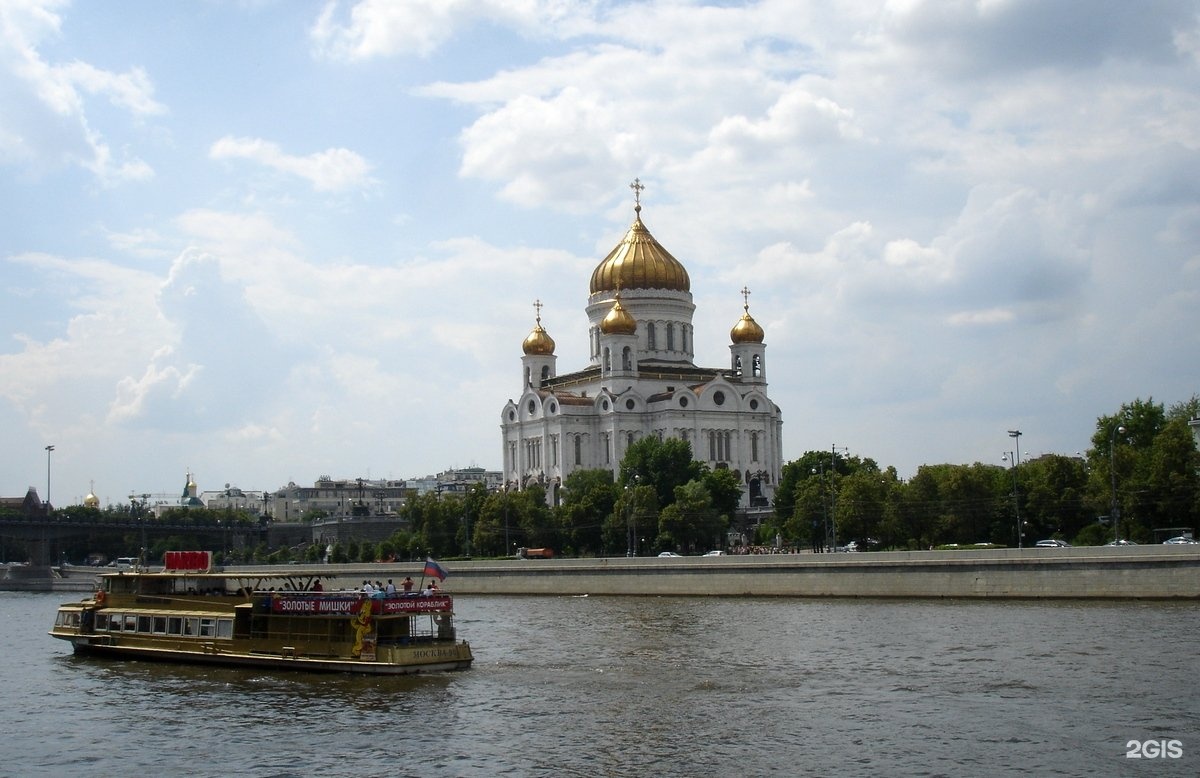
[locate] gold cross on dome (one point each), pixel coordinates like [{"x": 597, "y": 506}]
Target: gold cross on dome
[
  {"x": 537, "y": 305},
  {"x": 746, "y": 298},
  {"x": 637, "y": 186}
]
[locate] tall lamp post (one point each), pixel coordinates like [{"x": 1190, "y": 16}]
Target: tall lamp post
[
  {"x": 834, "y": 449},
  {"x": 630, "y": 523},
  {"x": 1016, "y": 436},
  {"x": 820, "y": 470},
  {"x": 1114, "y": 511},
  {"x": 48, "y": 450},
  {"x": 507, "y": 545}
]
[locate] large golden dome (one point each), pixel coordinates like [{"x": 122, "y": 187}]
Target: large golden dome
[
  {"x": 639, "y": 262},
  {"x": 747, "y": 330},
  {"x": 618, "y": 321}
]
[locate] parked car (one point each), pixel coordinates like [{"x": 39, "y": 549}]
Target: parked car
[
  {"x": 1182, "y": 540},
  {"x": 715, "y": 553},
  {"x": 668, "y": 554},
  {"x": 1053, "y": 544},
  {"x": 1120, "y": 543}
]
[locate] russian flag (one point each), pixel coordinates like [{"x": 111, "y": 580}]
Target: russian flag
[{"x": 434, "y": 570}]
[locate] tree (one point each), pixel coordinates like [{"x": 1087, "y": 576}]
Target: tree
[
  {"x": 588, "y": 499},
  {"x": 1148, "y": 472},
  {"x": 690, "y": 522},
  {"x": 1052, "y": 489},
  {"x": 660, "y": 464},
  {"x": 635, "y": 513},
  {"x": 725, "y": 490}
]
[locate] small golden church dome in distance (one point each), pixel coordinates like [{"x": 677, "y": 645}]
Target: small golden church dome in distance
[{"x": 91, "y": 501}]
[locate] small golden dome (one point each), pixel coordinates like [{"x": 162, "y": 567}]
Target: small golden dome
[
  {"x": 639, "y": 262},
  {"x": 618, "y": 321},
  {"x": 91, "y": 501},
  {"x": 538, "y": 342},
  {"x": 747, "y": 329}
]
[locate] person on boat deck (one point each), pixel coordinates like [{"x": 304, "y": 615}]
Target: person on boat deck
[
  {"x": 367, "y": 588},
  {"x": 407, "y": 585},
  {"x": 390, "y": 589},
  {"x": 317, "y": 587}
]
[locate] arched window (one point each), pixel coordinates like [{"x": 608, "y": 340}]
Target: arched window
[
  {"x": 650, "y": 336},
  {"x": 683, "y": 336},
  {"x": 670, "y": 336},
  {"x": 757, "y": 365},
  {"x": 579, "y": 449},
  {"x": 737, "y": 366},
  {"x": 627, "y": 359},
  {"x": 528, "y": 377},
  {"x": 607, "y": 360}
]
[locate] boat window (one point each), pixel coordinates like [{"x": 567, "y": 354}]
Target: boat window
[
  {"x": 67, "y": 619},
  {"x": 143, "y": 624},
  {"x": 191, "y": 626},
  {"x": 114, "y": 622},
  {"x": 207, "y": 627},
  {"x": 175, "y": 625},
  {"x": 160, "y": 625},
  {"x": 130, "y": 622},
  {"x": 101, "y": 621},
  {"x": 224, "y": 628}
]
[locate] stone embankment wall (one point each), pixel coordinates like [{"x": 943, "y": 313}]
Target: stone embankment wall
[{"x": 1138, "y": 572}]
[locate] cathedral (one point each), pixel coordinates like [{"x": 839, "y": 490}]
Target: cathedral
[{"x": 642, "y": 380}]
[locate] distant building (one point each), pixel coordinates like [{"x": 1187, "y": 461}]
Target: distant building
[
  {"x": 233, "y": 498},
  {"x": 341, "y": 497},
  {"x": 28, "y": 507}
]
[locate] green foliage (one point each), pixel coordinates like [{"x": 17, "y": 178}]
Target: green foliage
[
  {"x": 661, "y": 465},
  {"x": 589, "y": 497}
]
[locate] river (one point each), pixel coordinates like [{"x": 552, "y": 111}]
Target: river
[{"x": 647, "y": 686}]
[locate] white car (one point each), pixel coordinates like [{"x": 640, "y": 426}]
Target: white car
[
  {"x": 715, "y": 553},
  {"x": 668, "y": 555},
  {"x": 1182, "y": 540},
  {"x": 1053, "y": 544}
]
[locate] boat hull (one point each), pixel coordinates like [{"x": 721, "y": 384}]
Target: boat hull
[{"x": 432, "y": 659}]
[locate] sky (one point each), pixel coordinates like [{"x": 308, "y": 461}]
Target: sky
[{"x": 268, "y": 241}]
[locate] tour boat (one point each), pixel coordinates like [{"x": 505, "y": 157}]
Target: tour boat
[{"x": 189, "y": 613}]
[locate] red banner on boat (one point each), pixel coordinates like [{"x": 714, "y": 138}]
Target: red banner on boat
[
  {"x": 187, "y": 562},
  {"x": 317, "y": 605}
]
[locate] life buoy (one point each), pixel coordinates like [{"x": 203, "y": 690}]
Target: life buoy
[{"x": 100, "y": 598}]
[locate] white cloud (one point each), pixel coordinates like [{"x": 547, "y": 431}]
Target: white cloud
[
  {"x": 380, "y": 28},
  {"x": 332, "y": 170},
  {"x": 950, "y": 224},
  {"x": 48, "y": 114}
]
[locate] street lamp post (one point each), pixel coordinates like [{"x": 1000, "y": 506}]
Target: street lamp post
[
  {"x": 507, "y": 545},
  {"x": 834, "y": 449},
  {"x": 1016, "y": 436},
  {"x": 48, "y": 450},
  {"x": 1114, "y": 511},
  {"x": 630, "y": 521},
  {"x": 820, "y": 470}
]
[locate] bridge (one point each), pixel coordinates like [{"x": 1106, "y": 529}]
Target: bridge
[{"x": 43, "y": 539}]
